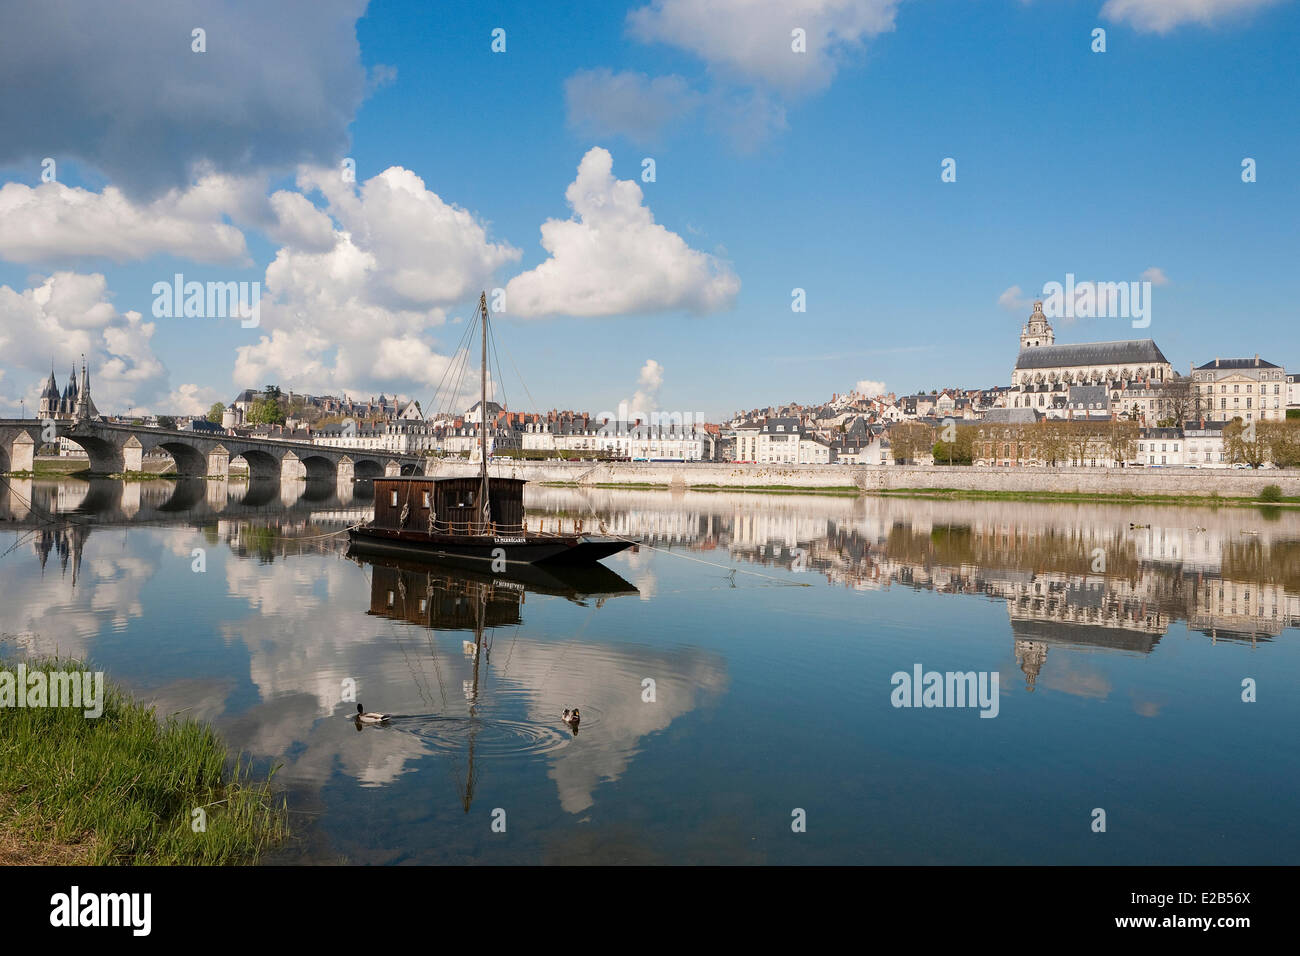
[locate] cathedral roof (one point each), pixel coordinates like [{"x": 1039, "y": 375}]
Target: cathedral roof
[{"x": 1128, "y": 352}]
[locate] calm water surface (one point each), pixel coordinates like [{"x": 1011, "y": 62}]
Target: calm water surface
[{"x": 1120, "y": 654}]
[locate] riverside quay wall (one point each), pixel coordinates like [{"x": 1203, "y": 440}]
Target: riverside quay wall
[{"x": 1227, "y": 482}]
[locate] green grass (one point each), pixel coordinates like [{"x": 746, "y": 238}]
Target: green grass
[
  {"x": 1212, "y": 500},
  {"x": 122, "y": 788},
  {"x": 839, "y": 490}
]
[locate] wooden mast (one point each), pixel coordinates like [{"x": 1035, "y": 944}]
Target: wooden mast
[{"x": 484, "y": 507}]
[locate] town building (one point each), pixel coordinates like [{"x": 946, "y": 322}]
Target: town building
[
  {"x": 1045, "y": 371},
  {"x": 1160, "y": 447},
  {"x": 1204, "y": 445},
  {"x": 1249, "y": 389}
]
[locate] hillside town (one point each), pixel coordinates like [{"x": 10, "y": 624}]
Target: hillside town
[{"x": 1097, "y": 404}]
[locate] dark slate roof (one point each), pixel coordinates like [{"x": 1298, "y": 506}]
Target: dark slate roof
[
  {"x": 1010, "y": 416},
  {"x": 788, "y": 426},
  {"x": 1128, "y": 352},
  {"x": 1236, "y": 363},
  {"x": 1089, "y": 395},
  {"x": 202, "y": 425}
]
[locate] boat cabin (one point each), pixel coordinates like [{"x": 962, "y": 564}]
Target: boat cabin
[{"x": 448, "y": 505}]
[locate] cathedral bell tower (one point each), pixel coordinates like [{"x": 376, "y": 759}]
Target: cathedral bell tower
[{"x": 1038, "y": 331}]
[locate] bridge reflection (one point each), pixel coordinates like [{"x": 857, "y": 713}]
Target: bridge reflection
[{"x": 28, "y": 503}]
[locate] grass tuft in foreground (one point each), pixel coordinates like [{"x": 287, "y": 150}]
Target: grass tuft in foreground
[{"x": 122, "y": 788}]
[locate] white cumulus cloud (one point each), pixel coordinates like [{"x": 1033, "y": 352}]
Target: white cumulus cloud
[
  {"x": 64, "y": 317},
  {"x": 612, "y": 258},
  {"x": 351, "y": 310},
  {"x": 869, "y": 388},
  {"x": 1162, "y": 16},
  {"x": 1013, "y": 298},
  {"x": 54, "y": 222},
  {"x": 752, "y": 39}
]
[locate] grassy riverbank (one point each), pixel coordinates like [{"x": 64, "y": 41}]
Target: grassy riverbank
[
  {"x": 1270, "y": 496},
  {"x": 122, "y": 788},
  {"x": 1078, "y": 497},
  {"x": 850, "y": 491}
]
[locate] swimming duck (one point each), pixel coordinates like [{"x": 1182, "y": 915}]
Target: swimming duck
[
  {"x": 571, "y": 717},
  {"x": 370, "y": 718}
]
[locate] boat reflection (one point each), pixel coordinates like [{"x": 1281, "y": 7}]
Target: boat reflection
[
  {"x": 447, "y": 595},
  {"x": 450, "y": 597}
]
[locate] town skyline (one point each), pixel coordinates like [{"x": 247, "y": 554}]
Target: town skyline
[{"x": 644, "y": 251}]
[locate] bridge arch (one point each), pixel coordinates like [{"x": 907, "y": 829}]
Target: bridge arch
[
  {"x": 368, "y": 468},
  {"x": 319, "y": 467},
  {"x": 106, "y": 457},
  {"x": 261, "y": 464},
  {"x": 190, "y": 462}
]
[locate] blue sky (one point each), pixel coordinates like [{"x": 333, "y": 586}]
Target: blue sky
[{"x": 772, "y": 173}]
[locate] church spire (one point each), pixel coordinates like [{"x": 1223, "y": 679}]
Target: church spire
[{"x": 83, "y": 409}]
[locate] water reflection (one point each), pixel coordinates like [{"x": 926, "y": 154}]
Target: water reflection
[{"x": 765, "y": 696}]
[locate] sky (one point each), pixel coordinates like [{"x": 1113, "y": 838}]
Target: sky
[{"x": 693, "y": 206}]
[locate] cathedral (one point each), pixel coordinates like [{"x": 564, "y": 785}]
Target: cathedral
[
  {"x": 74, "y": 402},
  {"x": 1046, "y": 372}
]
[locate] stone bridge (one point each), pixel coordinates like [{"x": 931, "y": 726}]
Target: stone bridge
[{"x": 116, "y": 449}]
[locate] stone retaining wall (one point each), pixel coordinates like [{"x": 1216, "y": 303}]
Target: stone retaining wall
[{"x": 1145, "y": 481}]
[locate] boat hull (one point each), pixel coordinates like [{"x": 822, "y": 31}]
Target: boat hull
[{"x": 486, "y": 548}]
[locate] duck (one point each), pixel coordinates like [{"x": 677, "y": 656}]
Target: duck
[
  {"x": 365, "y": 717},
  {"x": 571, "y": 717}
]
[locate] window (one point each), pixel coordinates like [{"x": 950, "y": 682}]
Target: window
[
  {"x": 426, "y": 499},
  {"x": 393, "y": 499}
]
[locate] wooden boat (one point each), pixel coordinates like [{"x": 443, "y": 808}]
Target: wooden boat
[{"x": 477, "y": 518}]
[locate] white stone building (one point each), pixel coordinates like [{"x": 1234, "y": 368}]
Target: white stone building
[
  {"x": 1045, "y": 371},
  {"x": 1249, "y": 389}
]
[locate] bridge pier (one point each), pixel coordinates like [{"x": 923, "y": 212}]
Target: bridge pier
[
  {"x": 393, "y": 469},
  {"x": 291, "y": 467},
  {"x": 219, "y": 463},
  {"x": 345, "y": 470},
  {"x": 132, "y": 455},
  {"x": 22, "y": 453}
]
